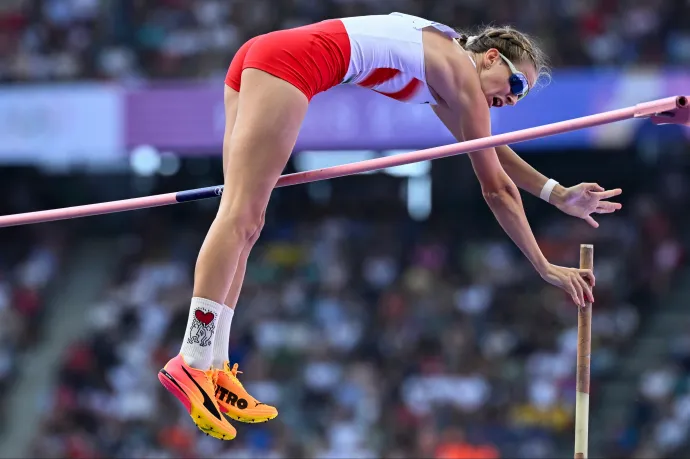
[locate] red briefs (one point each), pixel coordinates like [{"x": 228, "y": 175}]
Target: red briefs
[{"x": 312, "y": 58}]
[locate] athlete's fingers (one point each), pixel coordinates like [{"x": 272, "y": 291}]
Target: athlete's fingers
[
  {"x": 591, "y": 221},
  {"x": 606, "y": 207},
  {"x": 607, "y": 194},
  {"x": 587, "y": 291},
  {"x": 589, "y": 275},
  {"x": 578, "y": 290}
]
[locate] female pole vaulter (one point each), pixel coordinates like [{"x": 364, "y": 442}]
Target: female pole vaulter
[{"x": 268, "y": 87}]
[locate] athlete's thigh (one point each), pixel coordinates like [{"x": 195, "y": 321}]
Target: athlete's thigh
[
  {"x": 230, "y": 100},
  {"x": 270, "y": 113}
]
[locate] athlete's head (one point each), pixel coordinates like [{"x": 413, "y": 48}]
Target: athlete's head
[{"x": 509, "y": 63}]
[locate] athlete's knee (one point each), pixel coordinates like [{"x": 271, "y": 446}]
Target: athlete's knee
[
  {"x": 245, "y": 225},
  {"x": 255, "y": 236}
]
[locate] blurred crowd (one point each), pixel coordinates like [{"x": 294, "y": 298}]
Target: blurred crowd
[
  {"x": 659, "y": 425},
  {"x": 374, "y": 338},
  {"x": 94, "y": 39},
  {"x": 28, "y": 268}
]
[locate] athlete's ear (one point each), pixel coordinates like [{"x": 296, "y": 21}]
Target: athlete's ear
[{"x": 491, "y": 56}]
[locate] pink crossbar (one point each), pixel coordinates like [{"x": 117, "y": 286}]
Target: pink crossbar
[{"x": 671, "y": 110}]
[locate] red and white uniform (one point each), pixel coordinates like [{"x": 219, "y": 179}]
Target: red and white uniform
[
  {"x": 387, "y": 55},
  {"x": 383, "y": 53}
]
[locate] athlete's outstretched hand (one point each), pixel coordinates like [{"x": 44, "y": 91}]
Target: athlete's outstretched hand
[
  {"x": 577, "y": 282},
  {"x": 587, "y": 198}
]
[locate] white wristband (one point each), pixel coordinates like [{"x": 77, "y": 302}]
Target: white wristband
[{"x": 548, "y": 188}]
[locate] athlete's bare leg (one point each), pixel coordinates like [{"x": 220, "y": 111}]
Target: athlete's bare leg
[
  {"x": 269, "y": 115},
  {"x": 231, "y": 98}
]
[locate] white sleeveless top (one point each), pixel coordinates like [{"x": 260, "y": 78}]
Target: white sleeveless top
[{"x": 387, "y": 55}]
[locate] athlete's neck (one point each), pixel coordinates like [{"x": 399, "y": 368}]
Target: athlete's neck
[{"x": 472, "y": 58}]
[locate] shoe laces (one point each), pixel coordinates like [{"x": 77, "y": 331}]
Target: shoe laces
[{"x": 232, "y": 374}]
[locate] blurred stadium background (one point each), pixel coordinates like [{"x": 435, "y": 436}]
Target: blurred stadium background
[{"x": 386, "y": 315}]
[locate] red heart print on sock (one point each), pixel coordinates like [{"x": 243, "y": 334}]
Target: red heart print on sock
[{"x": 204, "y": 317}]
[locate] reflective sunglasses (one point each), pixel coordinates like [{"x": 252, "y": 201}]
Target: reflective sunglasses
[{"x": 519, "y": 85}]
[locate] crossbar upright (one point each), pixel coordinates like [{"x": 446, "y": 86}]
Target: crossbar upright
[{"x": 584, "y": 351}]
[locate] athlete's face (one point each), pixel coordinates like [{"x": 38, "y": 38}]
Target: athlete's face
[{"x": 494, "y": 75}]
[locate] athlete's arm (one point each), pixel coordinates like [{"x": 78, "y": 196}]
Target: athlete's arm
[
  {"x": 520, "y": 172},
  {"x": 579, "y": 201},
  {"x": 525, "y": 176},
  {"x": 466, "y": 113},
  {"x": 467, "y": 119}
]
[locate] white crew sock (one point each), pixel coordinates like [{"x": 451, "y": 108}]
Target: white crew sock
[
  {"x": 197, "y": 346},
  {"x": 222, "y": 341}
]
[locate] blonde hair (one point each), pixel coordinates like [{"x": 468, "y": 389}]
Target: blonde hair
[{"x": 515, "y": 45}]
